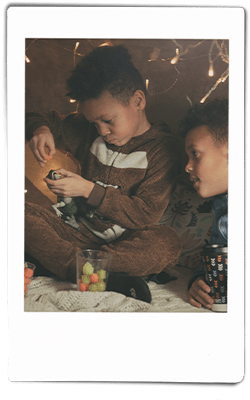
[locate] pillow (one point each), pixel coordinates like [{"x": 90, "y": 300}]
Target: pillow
[{"x": 191, "y": 217}]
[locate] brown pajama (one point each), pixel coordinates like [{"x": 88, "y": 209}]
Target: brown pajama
[
  {"x": 133, "y": 185},
  {"x": 139, "y": 252}
]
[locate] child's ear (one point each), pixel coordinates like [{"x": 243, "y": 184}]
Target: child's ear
[{"x": 139, "y": 100}]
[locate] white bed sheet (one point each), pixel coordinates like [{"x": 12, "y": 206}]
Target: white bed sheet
[{"x": 53, "y": 295}]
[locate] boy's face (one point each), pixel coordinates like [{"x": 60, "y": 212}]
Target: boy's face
[
  {"x": 115, "y": 122},
  {"x": 208, "y": 162}
]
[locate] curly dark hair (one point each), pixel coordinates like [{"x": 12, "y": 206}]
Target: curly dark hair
[
  {"x": 106, "y": 68},
  {"x": 213, "y": 114}
]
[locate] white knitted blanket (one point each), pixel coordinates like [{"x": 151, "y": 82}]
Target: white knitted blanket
[{"x": 53, "y": 295}]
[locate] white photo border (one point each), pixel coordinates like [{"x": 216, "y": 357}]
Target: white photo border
[{"x": 135, "y": 345}]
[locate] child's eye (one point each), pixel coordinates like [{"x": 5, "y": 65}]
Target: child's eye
[
  {"x": 194, "y": 153},
  {"x": 107, "y": 121}
]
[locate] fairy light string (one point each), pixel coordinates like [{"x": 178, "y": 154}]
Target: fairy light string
[
  {"x": 222, "y": 78},
  {"x": 74, "y": 56},
  {"x": 180, "y": 51},
  {"x": 222, "y": 52}
]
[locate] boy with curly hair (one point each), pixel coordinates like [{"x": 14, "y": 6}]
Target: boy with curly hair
[
  {"x": 128, "y": 170},
  {"x": 206, "y": 144}
]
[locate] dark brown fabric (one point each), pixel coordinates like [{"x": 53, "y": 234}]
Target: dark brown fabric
[
  {"x": 34, "y": 195},
  {"x": 135, "y": 197},
  {"x": 132, "y": 197},
  {"x": 96, "y": 196},
  {"x": 54, "y": 244}
]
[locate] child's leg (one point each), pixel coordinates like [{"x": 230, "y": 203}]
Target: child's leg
[
  {"x": 52, "y": 245},
  {"x": 52, "y": 242},
  {"x": 142, "y": 253}
]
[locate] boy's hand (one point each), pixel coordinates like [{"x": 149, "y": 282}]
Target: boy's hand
[
  {"x": 198, "y": 294},
  {"x": 72, "y": 185},
  {"x": 42, "y": 138}
]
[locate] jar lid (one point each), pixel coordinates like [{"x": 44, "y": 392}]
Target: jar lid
[{"x": 215, "y": 248}]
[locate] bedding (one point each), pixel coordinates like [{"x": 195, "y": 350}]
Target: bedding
[{"x": 46, "y": 294}]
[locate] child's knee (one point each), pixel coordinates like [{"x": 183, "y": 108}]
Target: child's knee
[
  {"x": 168, "y": 244},
  {"x": 166, "y": 234}
]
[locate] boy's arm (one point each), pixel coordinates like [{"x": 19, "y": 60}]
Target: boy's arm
[
  {"x": 67, "y": 131},
  {"x": 146, "y": 206}
]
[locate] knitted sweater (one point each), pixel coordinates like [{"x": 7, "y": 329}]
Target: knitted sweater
[{"x": 133, "y": 182}]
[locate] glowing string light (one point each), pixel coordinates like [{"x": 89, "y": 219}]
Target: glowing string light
[
  {"x": 211, "y": 69},
  {"x": 27, "y": 58},
  {"x": 176, "y": 58},
  {"x": 224, "y": 56},
  {"x": 222, "y": 53},
  {"x": 211, "y": 66},
  {"x": 223, "y": 78},
  {"x": 105, "y": 44},
  {"x": 180, "y": 52},
  {"x": 74, "y": 56}
]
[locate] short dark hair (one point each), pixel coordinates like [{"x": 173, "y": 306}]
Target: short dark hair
[
  {"x": 213, "y": 114},
  {"x": 106, "y": 68}
]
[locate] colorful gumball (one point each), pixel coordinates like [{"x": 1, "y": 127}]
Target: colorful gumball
[
  {"x": 87, "y": 269},
  {"x": 26, "y": 280},
  {"x": 101, "y": 286},
  {"x": 86, "y": 279},
  {"x": 101, "y": 274},
  {"x": 28, "y": 272},
  {"x": 83, "y": 287},
  {"x": 94, "y": 278},
  {"x": 93, "y": 287}
]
